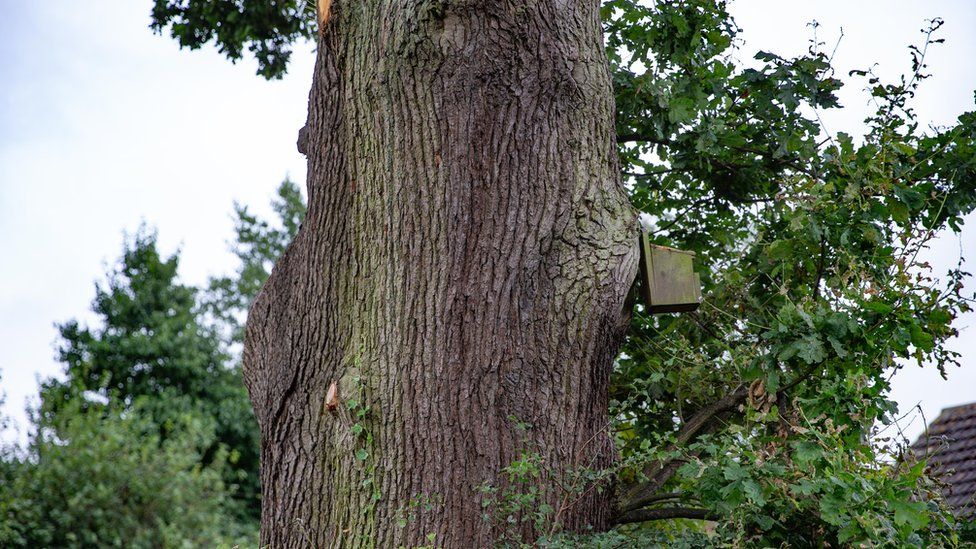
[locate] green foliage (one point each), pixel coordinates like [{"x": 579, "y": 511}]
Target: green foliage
[
  {"x": 148, "y": 439},
  {"x": 150, "y": 338},
  {"x": 162, "y": 343},
  {"x": 520, "y": 501},
  {"x": 151, "y": 345},
  {"x": 266, "y": 29},
  {"x": 967, "y": 532},
  {"x": 808, "y": 244},
  {"x": 109, "y": 480},
  {"x": 643, "y": 538}
]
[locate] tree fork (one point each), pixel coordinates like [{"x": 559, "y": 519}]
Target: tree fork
[{"x": 464, "y": 263}]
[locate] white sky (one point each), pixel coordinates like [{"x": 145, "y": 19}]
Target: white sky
[{"x": 104, "y": 125}]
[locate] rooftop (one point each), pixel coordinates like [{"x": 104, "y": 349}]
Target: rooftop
[{"x": 950, "y": 445}]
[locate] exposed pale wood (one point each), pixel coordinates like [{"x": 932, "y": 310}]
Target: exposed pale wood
[{"x": 324, "y": 12}]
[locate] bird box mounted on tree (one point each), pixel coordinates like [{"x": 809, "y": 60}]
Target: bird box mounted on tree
[{"x": 668, "y": 280}]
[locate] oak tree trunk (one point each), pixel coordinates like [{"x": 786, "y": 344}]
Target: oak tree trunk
[{"x": 461, "y": 273}]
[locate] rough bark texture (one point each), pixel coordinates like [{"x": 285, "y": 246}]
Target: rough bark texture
[{"x": 465, "y": 260}]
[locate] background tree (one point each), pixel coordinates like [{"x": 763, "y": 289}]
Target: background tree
[
  {"x": 148, "y": 439},
  {"x": 158, "y": 340},
  {"x": 258, "y": 243},
  {"x": 151, "y": 345},
  {"x": 759, "y": 411},
  {"x": 110, "y": 480}
]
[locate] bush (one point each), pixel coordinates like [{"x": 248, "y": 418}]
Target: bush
[{"x": 103, "y": 479}]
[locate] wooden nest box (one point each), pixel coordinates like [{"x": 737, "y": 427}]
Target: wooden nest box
[{"x": 669, "y": 283}]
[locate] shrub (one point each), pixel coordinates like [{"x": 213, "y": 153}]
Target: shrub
[{"x": 105, "y": 479}]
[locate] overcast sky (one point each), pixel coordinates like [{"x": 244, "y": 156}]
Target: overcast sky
[{"x": 104, "y": 125}]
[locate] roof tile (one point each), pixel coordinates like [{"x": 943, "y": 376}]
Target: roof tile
[{"x": 950, "y": 445}]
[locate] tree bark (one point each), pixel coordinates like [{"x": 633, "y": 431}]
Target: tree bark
[{"x": 462, "y": 270}]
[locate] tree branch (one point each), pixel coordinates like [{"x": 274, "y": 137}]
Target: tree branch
[
  {"x": 635, "y": 137},
  {"x": 767, "y": 155},
  {"x": 668, "y": 496},
  {"x": 664, "y": 513},
  {"x": 640, "y": 494}
]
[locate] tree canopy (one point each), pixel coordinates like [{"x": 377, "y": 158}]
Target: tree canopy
[
  {"x": 768, "y": 408},
  {"x": 151, "y": 346},
  {"x": 266, "y": 29}
]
